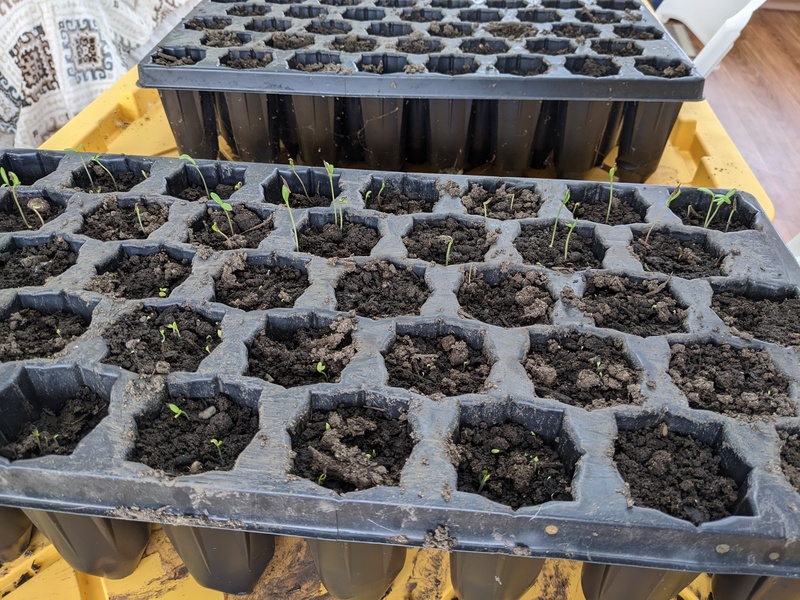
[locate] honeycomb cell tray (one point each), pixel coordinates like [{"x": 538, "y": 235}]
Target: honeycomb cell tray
[{"x": 492, "y": 233}]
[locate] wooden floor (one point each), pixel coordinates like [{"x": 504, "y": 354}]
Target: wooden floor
[{"x": 756, "y": 95}]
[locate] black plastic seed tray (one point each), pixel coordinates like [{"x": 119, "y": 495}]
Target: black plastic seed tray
[
  {"x": 602, "y": 523},
  {"x": 451, "y": 84}
]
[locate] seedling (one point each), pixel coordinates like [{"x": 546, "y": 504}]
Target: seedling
[
  {"x": 380, "y": 191},
  {"x": 717, "y": 200},
  {"x": 730, "y": 215},
  {"x": 38, "y": 437},
  {"x": 555, "y": 225},
  {"x": 340, "y": 219},
  {"x": 217, "y": 443},
  {"x": 486, "y": 208},
  {"x": 495, "y": 451},
  {"x": 215, "y": 228},
  {"x": 226, "y": 207},
  {"x": 85, "y": 167},
  {"x": 610, "y": 191},
  {"x": 238, "y": 186},
  {"x": 36, "y": 205},
  {"x": 285, "y": 193},
  {"x": 139, "y": 218},
  {"x": 321, "y": 369},
  {"x": 162, "y": 292},
  {"x": 483, "y": 479},
  {"x": 55, "y": 440},
  {"x": 58, "y": 332},
  {"x": 571, "y": 228},
  {"x": 321, "y": 479},
  {"x": 675, "y": 194},
  {"x": 199, "y": 172},
  {"x": 372, "y": 455},
  {"x": 450, "y": 241},
  {"x": 327, "y": 426},
  {"x": 303, "y": 185},
  {"x": 176, "y": 411},
  {"x": 174, "y": 327},
  {"x": 163, "y": 337},
  {"x": 96, "y": 159},
  {"x": 10, "y": 180},
  {"x": 511, "y": 206}
]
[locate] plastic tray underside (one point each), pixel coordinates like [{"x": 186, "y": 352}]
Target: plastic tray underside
[{"x": 256, "y": 495}]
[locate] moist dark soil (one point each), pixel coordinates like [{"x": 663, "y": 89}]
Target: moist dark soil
[
  {"x": 28, "y": 333},
  {"x": 247, "y": 62},
  {"x": 447, "y": 30},
  {"x": 10, "y": 219},
  {"x": 102, "y": 182},
  {"x": 381, "y": 290},
  {"x": 319, "y": 66},
  {"x": 526, "y": 204},
  {"x": 583, "y": 370},
  {"x": 34, "y": 265},
  {"x": 519, "y": 300},
  {"x": 200, "y": 24},
  {"x": 634, "y": 34},
  {"x": 198, "y": 192},
  {"x": 354, "y": 239},
  {"x": 485, "y": 47},
  {"x": 622, "y": 48},
  {"x": 418, "y": 46},
  {"x": 292, "y": 358},
  {"x": 790, "y": 457},
  {"x": 594, "y": 68},
  {"x": 181, "y": 445},
  {"x": 167, "y": 60},
  {"x": 674, "y": 473},
  {"x": 590, "y": 16},
  {"x": 285, "y": 41},
  {"x": 58, "y": 432},
  {"x": 351, "y": 43},
  {"x": 141, "y": 276},
  {"x": 667, "y": 254},
  {"x": 135, "y": 341},
  {"x": 258, "y": 287},
  {"x": 248, "y": 10},
  {"x": 395, "y": 202},
  {"x": 518, "y": 467},
  {"x": 113, "y": 222},
  {"x": 351, "y": 448},
  {"x": 621, "y": 212},
  {"x": 378, "y": 68},
  {"x": 416, "y": 16},
  {"x": 533, "y": 243},
  {"x": 695, "y": 216},
  {"x": 249, "y": 229},
  {"x": 668, "y": 72},
  {"x": 570, "y": 30},
  {"x": 741, "y": 383},
  {"x": 323, "y": 29},
  {"x": 302, "y": 201},
  {"x": 429, "y": 241},
  {"x": 511, "y": 31},
  {"x": 772, "y": 320},
  {"x": 222, "y": 39},
  {"x": 436, "y": 366},
  {"x": 642, "y": 308}
]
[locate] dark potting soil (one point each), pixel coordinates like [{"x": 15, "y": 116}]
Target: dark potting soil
[
  {"x": 590, "y": 16},
  {"x": 136, "y": 343},
  {"x": 695, "y": 215},
  {"x": 414, "y": 45},
  {"x": 182, "y": 444},
  {"x": 574, "y": 31},
  {"x": 201, "y": 23},
  {"x": 380, "y": 290},
  {"x": 58, "y": 431},
  {"x": 396, "y": 203},
  {"x": 533, "y": 243},
  {"x": 284, "y": 41},
  {"x": 583, "y": 370},
  {"x": 11, "y": 220},
  {"x": 354, "y": 239},
  {"x": 621, "y": 212},
  {"x": 113, "y": 222},
  {"x": 519, "y": 299},
  {"x": 674, "y": 473},
  {"x": 34, "y": 265},
  {"x": 622, "y": 48},
  {"x": 429, "y": 241},
  {"x": 102, "y": 182},
  {"x": 319, "y": 66},
  {"x": 303, "y": 201},
  {"x": 248, "y": 229},
  {"x": 247, "y": 10},
  {"x": 247, "y": 62},
  {"x": 258, "y": 287},
  {"x": 642, "y": 308},
  {"x": 167, "y": 60},
  {"x": 198, "y": 192},
  {"x": 790, "y": 457},
  {"x": 669, "y": 72},
  {"x": 505, "y": 203},
  {"x": 351, "y": 448},
  {"x": 351, "y": 43},
  {"x": 141, "y": 276},
  {"x": 323, "y": 28},
  {"x": 221, "y": 39},
  {"x": 486, "y": 47},
  {"x": 447, "y": 30},
  {"x": 594, "y": 68},
  {"x": 511, "y": 31},
  {"x": 28, "y": 333},
  {"x": 436, "y": 366},
  {"x": 741, "y": 383},
  {"x": 291, "y": 358},
  {"x": 775, "y": 320},
  {"x": 511, "y": 465},
  {"x": 667, "y": 254}
]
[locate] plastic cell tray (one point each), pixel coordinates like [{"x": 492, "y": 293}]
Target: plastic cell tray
[
  {"x": 96, "y": 505},
  {"x": 450, "y": 85}
]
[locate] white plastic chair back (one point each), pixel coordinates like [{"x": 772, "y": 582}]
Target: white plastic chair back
[{"x": 716, "y": 23}]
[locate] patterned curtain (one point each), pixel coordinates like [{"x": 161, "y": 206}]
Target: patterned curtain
[{"x": 56, "y": 56}]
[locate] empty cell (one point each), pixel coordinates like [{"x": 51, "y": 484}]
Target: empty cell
[
  {"x": 525, "y": 66},
  {"x": 29, "y": 166},
  {"x": 389, "y": 29},
  {"x": 619, "y": 4},
  {"x": 271, "y": 24},
  {"x": 305, "y": 11},
  {"x": 450, "y": 3},
  {"x": 451, "y": 65},
  {"x": 550, "y": 46},
  {"x": 421, "y": 15},
  {"x": 480, "y": 15},
  {"x": 395, "y": 3},
  {"x": 364, "y": 14},
  {"x": 562, "y": 4},
  {"x": 507, "y": 4}
]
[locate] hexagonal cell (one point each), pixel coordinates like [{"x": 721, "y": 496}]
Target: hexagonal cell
[
  {"x": 381, "y": 289},
  {"x": 118, "y": 218},
  {"x": 539, "y": 15},
  {"x": 447, "y": 64},
  {"x": 591, "y": 67},
  {"x": 573, "y": 248},
  {"x": 30, "y": 166},
  {"x": 353, "y": 43},
  {"x": 100, "y": 174},
  {"x": 617, "y": 47},
  {"x": 681, "y": 468},
  {"x": 161, "y": 339},
  {"x": 437, "y": 360},
  {"x": 583, "y": 369},
  {"x": 738, "y": 382},
  {"x": 684, "y": 255},
  {"x": 25, "y": 262},
  {"x": 498, "y": 199},
  {"x": 517, "y": 454},
  {"x": 246, "y": 59},
  {"x": 484, "y": 46},
  {"x": 415, "y": 45},
  {"x": 260, "y": 282},
  {"x": 550, "y": 46},
  {"x": 637, "y": 32},
  {"x": 197, "y": 427},
  {"x": 506, "y": 4},
  {"x": 574, "y": 30},
  {"x": 382, "y": 63},
  {"x": 449, "y": 30},
  {"x": 177, "y": 56},
  {"x": 591, "y": 203},
  {"x": 325, "y": 236},
  {"x": 329, "y": 27},
  {"x": 364, "y": 13},
  {"x": 725, "y": 210},
  {"x": 339, "y": 2},
  {"x": 768, "y": 313},
  {"x": 301, "y": 350},
  {"x": 400, "y": 194},
  {"x": 308, "y": 187},
  {"x": 420, "y": 15},
  {"x": 619, "y": 5},
  {"x": 271, "y": 24},
  {"x": 562, "y": 4},
  {"x": 303, "y": 11},
  {"x": 389, "y": 29},
  {"x": 334, "y": 449},
  {"x": 394, "y": 3},
  {"x": 49, "y": 410},
  {"x": 663, "y": 67},
  {"x": 790, "y": 456},
  {"x": 524, "y": 66},
  {"x": 284, "y": 41},
  {"x": 479, "y": 15},
  {"x": 195, "y": 183},
  {"x": 314, "y": 62},
  {"x": 450, "y": 3},
  {"x": 600, "y": 17},
  {"x": 247, "y": 10},
  {"x": 241, "y": 227},
  {"x": 505, "y": 297},
  {"x": 137, "y": 272},
  {"x": 448, "y": 241},
  {"x": 225, "y": 39},
  {"x": 203, "y": 23},
  {"x": 511, "y": 31},
  {"x": 25, "y": 209}
]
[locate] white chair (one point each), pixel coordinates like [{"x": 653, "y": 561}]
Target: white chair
[{"x": 716, "y": 23}]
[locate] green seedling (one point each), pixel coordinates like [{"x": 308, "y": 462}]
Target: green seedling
[
  {"x": 217, "y": 443},
  {"x": 215, "y": 228},
  {"x": 372, "y": 455},
  {"x": 38, "y": 437},
  {"x": 139, "y": 218},
  {"x": 176, "y": 411},
  {"x": 327, "y": 426},
  {"x": 10, "y": 180},
  {"x": 163, "y": 337},
  {"x": 558, "y": 214},
  {"x": 380, "y": 191},
  {"x": 174, "y": 327},
  {"x": 226, "y": 207},
  {"x": 55, "y": 440},
  {"x": 303, "y": 185},
  {"x": 85, "y": 167},
  {"x": 58, "y": 332},
  {"x": 673, "y": 195},
  {"x": 610, "y": 192},
  {"x": 450, "y": 241},
  {"x": 219, "y": 333},
  {"x": 238, "y": 186},
  {"x": 511, "y": 206},
  {"x": 571, "y": 228},
  {"x": 495, "y": 451},
  {"x": 199, "y": 172},
  {"x": 96, "y": 159},
  {"x": 163, "y": 292},
  {"x": 321, "y": 479},
  {"x": 340, "y": 219},
  {"x": 37, "y": 205},
  {"x": 717, "y": 200},
  {"x": 730, "y": 215},
  {"x": 483, "y": 479},
  {"x": 486, "y": 208},
  {"x": 285, "y": 193},
  {"x": 145, "y": 174},
  {"x": 321, "y": 369},
  {"x": 208, "y": 349}
]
